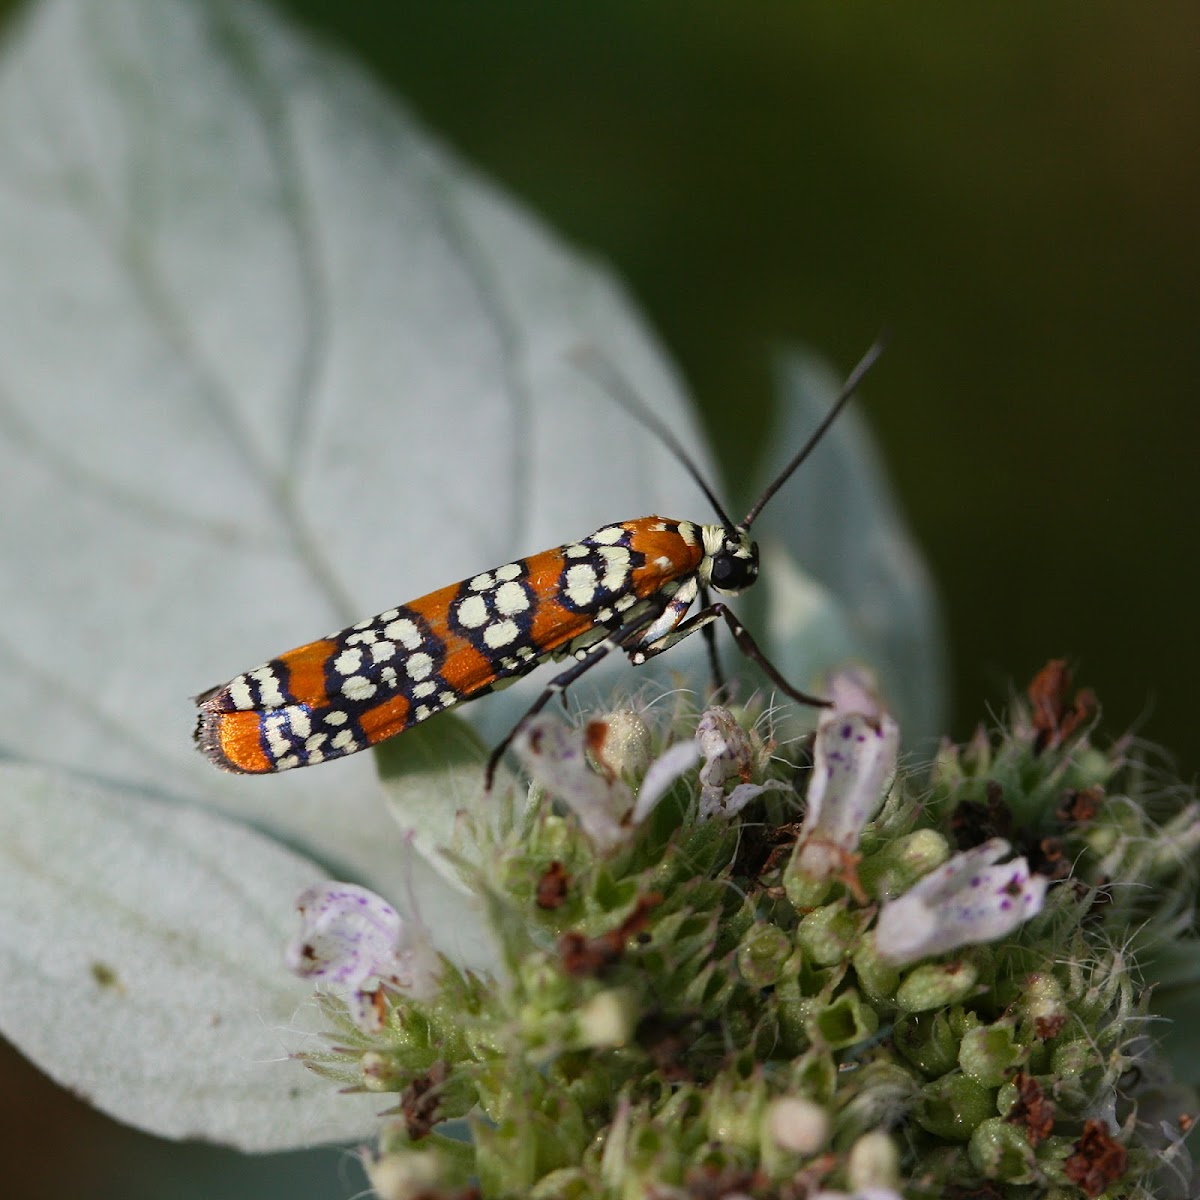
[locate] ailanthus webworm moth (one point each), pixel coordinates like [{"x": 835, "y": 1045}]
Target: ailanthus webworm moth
[{"x": 627, "y": 586}]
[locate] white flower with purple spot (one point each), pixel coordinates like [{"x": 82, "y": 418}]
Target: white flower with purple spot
[
  {"x": 357, "y": 941},
  {"x": 556, "y": 757},
  {"x": 730, "y": 753},
  {"x": 966, "y": 901},
  {"x": 854, "y": 756}
]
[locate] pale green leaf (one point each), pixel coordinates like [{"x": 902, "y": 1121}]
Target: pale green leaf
[{"x": 141, "y": 965}]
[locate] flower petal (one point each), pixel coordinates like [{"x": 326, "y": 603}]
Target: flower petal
[
  {"x": 355, "y": 939},
  {"x": 730, "y": 753},
  {"x": 854, "y": 753},
  {"x": 555, "y": 756},
  {"x": 675, "y": 761},
  {"x": 964, "y": 902}
]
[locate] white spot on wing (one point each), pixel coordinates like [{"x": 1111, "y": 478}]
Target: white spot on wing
[
  {"x": 472, "y": 612},
  {"x": 510, "y": 598},
  {"x": 500, "y": 633},
  {"x": 358, "y": 687},
  {"x": 419, "y": 666},
  {"x": 348, "y": 661},
  {"x": 403, "y": 631},
  {"x": 581, "y": 584},
  {"x": 276, "y": 741},
  {"x": 270, "y": 695},
  {"x": 616, "y": 569}
]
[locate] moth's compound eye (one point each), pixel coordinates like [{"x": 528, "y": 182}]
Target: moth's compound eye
[{"x": 732, "y": 573}]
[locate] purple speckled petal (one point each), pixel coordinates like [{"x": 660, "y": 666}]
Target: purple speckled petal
[
  {"x": 356, "y": 940},
  {"x": 854, "y": 755},
  {"x": 965, "y": 902},
  {"x": 850, "y": 774},
  {"x": 347, "y": 932}
]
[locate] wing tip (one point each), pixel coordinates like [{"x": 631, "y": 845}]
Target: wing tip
[{"x": 231, "y": 741}]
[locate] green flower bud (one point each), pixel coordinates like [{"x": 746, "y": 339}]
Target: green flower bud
[
  {"x": 1072, "y": 1059},
  {"x": 381, "y": 1072},
  {"x": 928, "y": 1041},
  {"x": 877, "y": 979},
  {"x": 1044, "y": 1005},
  {"x": 946, "y": 772},
  {"x": 762, "y": 954},
  {"x": 845, "y": 1022},
  {"x": 814, "y": 1074},
  {"x": 893, "y": 869},
  {"x": 977, "y": 753},
  {"x": 951, "y": 1107},
  {"x": 735, "y": 1109},
  {"x": 1000, "y": 1151},
  {"x": 990, "y": 1052},
  {"x": 936, "y": 985},
  {"x": 829, "y": 934},
  {"x": 802, "y": 890}
]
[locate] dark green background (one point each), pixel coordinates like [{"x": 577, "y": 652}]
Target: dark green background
[{"x": 1012, "y": 187}]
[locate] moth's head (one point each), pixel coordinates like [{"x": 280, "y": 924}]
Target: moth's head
[{"x": 730, "y": 563}]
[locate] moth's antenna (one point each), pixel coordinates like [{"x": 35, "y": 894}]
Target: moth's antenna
[
  {"x": 593, "y": 363},
  {"x": 867, "y": 361}
]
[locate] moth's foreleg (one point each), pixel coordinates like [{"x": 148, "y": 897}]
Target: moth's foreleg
[{"x": 745, "y": 643}]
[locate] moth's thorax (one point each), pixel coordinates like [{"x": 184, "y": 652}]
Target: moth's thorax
[{"x": 730, "y": 562}]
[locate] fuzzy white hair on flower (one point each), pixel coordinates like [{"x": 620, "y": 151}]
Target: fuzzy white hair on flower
[
  {"x": 966, "y": 901},
  {"x": 854, "y": 755},
  {"x": 355, "y": 940}
]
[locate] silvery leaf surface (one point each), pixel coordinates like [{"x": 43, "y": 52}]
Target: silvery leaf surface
[
  {"x": 272, "y": 360},
  {"x": 120, "y": 976}
]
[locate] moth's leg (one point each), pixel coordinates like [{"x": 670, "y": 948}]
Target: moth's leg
[
  {"x": 710, "y": 641},
  {"x": 745, "y": 643},
  {"x": 594, "y": 654}
]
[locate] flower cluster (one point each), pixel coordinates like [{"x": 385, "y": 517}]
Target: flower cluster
[{"x": 734, "y": 972}]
